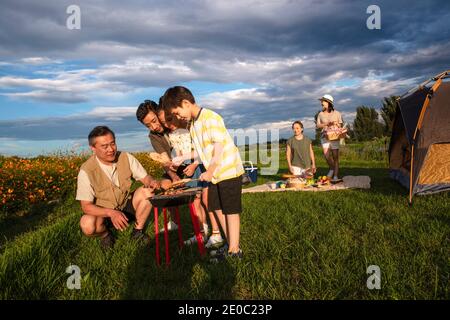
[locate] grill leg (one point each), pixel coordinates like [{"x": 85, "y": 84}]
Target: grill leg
[
  {"x": 199, "y": 237},
  {"x": 180, "y": 234},
  {"x": 166, "y": 237},
  {"x": 158, "y": 261}
]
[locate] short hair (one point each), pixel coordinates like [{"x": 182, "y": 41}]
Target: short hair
[
  {"x": 174, "y": 96},
  {"x": 99, "y": 131},
  {"x": 144, "y": 108},
  {"x": 159, "y": 106},
  {"x": 299, "y": 123}
]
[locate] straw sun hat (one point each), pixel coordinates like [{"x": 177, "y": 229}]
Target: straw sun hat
[{"x": 328, "y": 98}]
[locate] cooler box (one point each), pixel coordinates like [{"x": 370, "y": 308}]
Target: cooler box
[{"x": 251, "y": 170}]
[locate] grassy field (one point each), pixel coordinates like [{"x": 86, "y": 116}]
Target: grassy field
[{"x": 296, "y": 246}]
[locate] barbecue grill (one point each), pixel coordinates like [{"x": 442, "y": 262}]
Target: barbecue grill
[{"x": 173, "y": 199}]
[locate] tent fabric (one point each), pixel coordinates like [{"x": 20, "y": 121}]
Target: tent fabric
[
  {"x": 424, "y": 189},
  {"x": 434, "y": 129},
  {"x": 410, "y": 108},
  {"x": 437, "y": 117},
  {"x": 436, "y": 167},
  {"x": 399, "y": 147},
  {"x": 402, "y": 176},
  {"x": 419, "y": 151}
]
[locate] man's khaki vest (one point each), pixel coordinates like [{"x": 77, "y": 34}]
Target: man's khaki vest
[{"x": 107, "y": 194}]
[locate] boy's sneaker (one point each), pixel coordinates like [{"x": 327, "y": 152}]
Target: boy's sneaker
[
  {"x": 220, "y": 251},
  {"x": 171, "y": 226},
  {"x": 330, "y": 173},
  {"x": 193, "y": 240},
  {"x": 227, "y": 255},
  {"x": 140, "y": 236},
  {"x": 108, "y": 241},
  {"x": 214, "y": 241}
]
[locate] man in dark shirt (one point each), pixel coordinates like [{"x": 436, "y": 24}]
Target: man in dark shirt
[{"x": 147, "y": 115}]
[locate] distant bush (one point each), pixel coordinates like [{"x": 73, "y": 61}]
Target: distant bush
[
  {"x": 152, "y": 167},
  {"x": 375, "y": 149}
]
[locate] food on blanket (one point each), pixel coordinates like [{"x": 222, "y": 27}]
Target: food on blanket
[
  {"x": 323, "y": 180},
  {"x": 305, "y": 175},
  {"x": 161, "y": 158},
  {"x": 296, "y": 183},
  {"x": 308, "y": 174}
]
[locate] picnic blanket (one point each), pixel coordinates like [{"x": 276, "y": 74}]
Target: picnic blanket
[{"x": 348, "y": 182}]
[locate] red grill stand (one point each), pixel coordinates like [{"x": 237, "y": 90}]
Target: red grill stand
[{"x": 195, "y": 225}]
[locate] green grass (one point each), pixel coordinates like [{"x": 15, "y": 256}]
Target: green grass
[{"x": 296, "y": 246}]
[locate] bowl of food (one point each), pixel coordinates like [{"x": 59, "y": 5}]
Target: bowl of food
[{"x": 297, "y": 183}]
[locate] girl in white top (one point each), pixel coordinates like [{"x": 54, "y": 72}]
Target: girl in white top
[
  {"x": 180, "y": 139},
  {"x": 329, "y": 118}
]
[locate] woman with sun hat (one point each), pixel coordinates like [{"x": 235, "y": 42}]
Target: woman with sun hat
[{"x": 327, "y": 119}]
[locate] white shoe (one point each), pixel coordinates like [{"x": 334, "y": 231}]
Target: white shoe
[
  {"x": 335, "y": 178},
  {"x": 214, "y": 241},
  {"x": 193, "y": 240},
  {"x": 330, "y": 173},
  {"x": 170, "y": 226}
]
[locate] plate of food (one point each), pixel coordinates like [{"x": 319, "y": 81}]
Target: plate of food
[{"x": 324, "y": 180}]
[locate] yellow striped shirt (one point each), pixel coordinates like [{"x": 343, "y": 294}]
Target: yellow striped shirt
[{"x": 208, "y": 128}]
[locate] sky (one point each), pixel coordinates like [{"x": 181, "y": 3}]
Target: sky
[{"x": 260, "y": 64}]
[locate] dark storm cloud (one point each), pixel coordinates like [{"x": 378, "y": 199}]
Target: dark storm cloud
[
  {"x": 264, "y": 28},
  {"x": 72, "y": 127},
  {"x": 292, "y": 52}
]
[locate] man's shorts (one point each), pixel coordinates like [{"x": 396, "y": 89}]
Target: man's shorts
[
  {"x": 327, "y": 144},
  {"x": 226, "y": 196},
  {"x": 128, "y": 211}
]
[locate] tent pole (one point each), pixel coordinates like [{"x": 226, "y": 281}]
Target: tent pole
[{"x": 442, "y": 75}]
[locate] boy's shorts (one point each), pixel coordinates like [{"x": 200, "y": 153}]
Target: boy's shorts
[
  {"x": 226, "y": 196},
  {"x": 327, "y": 144}
]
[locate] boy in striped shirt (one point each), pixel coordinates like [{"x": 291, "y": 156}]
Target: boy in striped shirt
[{"x": 215, "y": 148}]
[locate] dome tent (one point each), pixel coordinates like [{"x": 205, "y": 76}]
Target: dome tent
[{"x": 419, "y": 151}]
